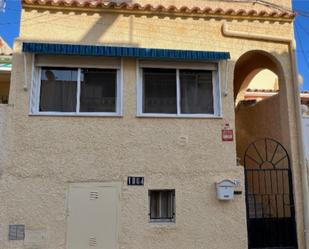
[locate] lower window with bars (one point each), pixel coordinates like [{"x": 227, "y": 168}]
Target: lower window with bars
[{"x": 162, "y": 205}]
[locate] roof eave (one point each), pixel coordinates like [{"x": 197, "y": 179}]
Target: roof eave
[{"x": 162, "y": 11}]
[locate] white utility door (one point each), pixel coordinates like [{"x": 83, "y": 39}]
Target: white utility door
[
  {"x": 306, "y": 135},
  {"x": 92, "y": 217}
]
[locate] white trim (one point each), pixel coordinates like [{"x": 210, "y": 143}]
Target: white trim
[
  {"x": 31, "y": 97},
  {"x": 78, "y": 61},
  {"x": 217, "y": 92},
  {"x": 35, "y": 96},
  {"x": 137, "y": 88},
  {"x": 6, "y": 69},
  {"x": 163, "y": 115},
  {"x": 225, "y": 77},
  {"x": 35, "y": 91},
  {"x": 78, "y": 90},
  {"x": 178, "y": 93},
  {"x": 25, "y": 73},
  {"x": 139, "y": 85},
  {"x": 120, "y": 89},
  {"x": 80, "y": 114},
  {"x": 32, "y": 66},
  {"x": 216, "y": 78},
  {"x": 212, "y": 66},
  {"x": 219, "y": 86},
  {"x": 214, "y": 90},
  {"x": 80, "y": 66}
]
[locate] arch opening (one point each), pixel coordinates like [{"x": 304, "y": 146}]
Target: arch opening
[
  {"x": 262, "y": 130},
  {"x": 260, "y": 100}
]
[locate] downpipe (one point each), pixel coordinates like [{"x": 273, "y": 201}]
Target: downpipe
[{"x": 303, "y": 162}]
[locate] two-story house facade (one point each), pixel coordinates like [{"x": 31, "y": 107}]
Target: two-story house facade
[{"x": 124, "y": 117}]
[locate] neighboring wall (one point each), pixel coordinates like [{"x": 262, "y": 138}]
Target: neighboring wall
[
  {"x": 259, "y": 121},
  {"x": 306, "y": 135}
]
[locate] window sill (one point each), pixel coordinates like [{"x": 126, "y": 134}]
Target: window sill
[
  {"x": 186, "y": 116},
  {"x": 59, "y": 114},
  {"x": 162, "y": 222}
]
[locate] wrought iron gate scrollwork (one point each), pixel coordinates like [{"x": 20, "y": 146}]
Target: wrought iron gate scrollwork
[{"x": 269, "y": 196}]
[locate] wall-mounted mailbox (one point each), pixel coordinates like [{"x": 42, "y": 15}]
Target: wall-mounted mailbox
[{"x": 225, "y": 190}]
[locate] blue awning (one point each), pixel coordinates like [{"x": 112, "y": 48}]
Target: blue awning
[{"x": 93, "y": 50}]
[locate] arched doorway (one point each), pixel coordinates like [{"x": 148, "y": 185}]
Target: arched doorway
[
  {"x": 262, "y": 136},
  {"x": 269, "y": 196}
]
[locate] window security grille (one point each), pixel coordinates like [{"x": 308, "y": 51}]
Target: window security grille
[
  {"x": 162, "y": 205},
  {"x": 16, "y": 232}
]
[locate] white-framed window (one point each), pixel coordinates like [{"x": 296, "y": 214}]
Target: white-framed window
[
  {"x": 172, "y": 89},
  {"x": 162, "y": 205},
  {"x": 67, "y": 88}
]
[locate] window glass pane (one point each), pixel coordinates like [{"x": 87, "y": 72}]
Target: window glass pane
[
  {"x": 58, "y": 90},
  {"x": 98, "y": 90},
  {"x": 159, "y": 90},
  {"x": 155, "y": 205},
  {"x": 165, "y": 205},
  {"x": 196, "y": 92}
]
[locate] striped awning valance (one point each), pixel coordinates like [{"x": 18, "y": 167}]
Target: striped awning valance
[{"x": 95, "y": 50}]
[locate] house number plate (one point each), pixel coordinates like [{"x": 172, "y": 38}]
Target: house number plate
[{"x": 136, "y": 180}]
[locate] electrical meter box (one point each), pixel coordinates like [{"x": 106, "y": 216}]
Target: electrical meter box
[{"x": 225, "y": 190}]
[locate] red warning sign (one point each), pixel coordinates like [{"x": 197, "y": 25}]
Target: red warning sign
[{"x": 227, "y": 134}]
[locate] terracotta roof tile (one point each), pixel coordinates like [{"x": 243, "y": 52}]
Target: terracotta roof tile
[
  {"x": 251, "y": 92},
  {"x": 262, "y": 90},
  {"x": 159, "y": 8}
]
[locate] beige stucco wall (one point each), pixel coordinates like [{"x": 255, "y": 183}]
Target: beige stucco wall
[
  {"x": 258, "y": 121},
  {"x": 4, "y": 109},
  {"x": 142, "y": 30},
  {"x": 305, "y": 123},
  {"x": 47, "y": 153},
  {"x": 53, "y": 151},
  {"x": 265, "y": 79}
]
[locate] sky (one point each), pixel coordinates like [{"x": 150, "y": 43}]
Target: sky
[
  {"x": 9, "y": 29},
  {"x": 302, "y": 39}
]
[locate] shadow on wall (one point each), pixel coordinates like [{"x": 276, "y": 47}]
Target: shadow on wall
[
  {"x": 91, "y": 33},
  {"x": 264, "y": 119},
  {"x": 101, "y": 26},
  {"x": 95, "y": 30}
]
